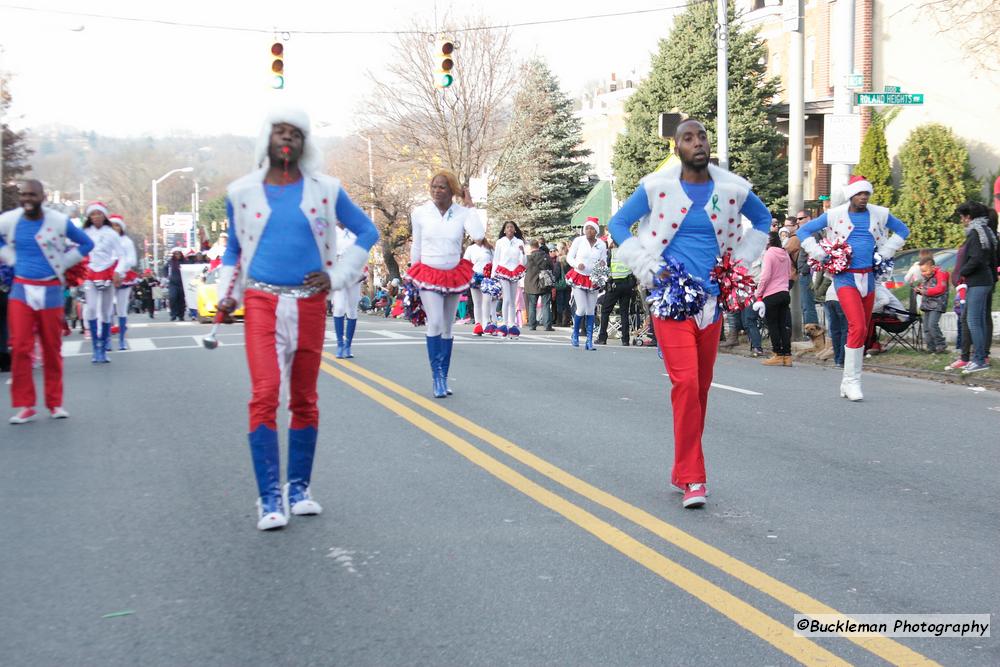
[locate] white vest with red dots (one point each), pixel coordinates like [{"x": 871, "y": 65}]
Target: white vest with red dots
[
  {"x": 668, "y": 205},
  {"x": 839, "y": 225}
]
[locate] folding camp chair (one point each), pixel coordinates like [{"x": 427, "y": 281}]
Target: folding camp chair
[{"x": 902, "y": 328}]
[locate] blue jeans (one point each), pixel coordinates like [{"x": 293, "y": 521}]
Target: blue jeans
[
  {"x": 977, "y": 302},
  {"x": 836, "y": 325},
  {"x": 751, "y": 324},
  {"x": 807, "y": 300}
]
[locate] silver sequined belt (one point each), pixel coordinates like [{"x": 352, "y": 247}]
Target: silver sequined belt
[{"x": 294, "y": 291}]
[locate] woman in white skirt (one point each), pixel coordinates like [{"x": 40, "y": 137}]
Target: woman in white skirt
[
  {"x": 125, "y": 277},
  {"x": 437, "y": 267},
  {"x": 587, "y": 253},
  {"x": 98, "y": 286},
  {"x": 508, "y": 267},
  {"x": 345, "y": 301},
  {"x": 480, "y": 254}
]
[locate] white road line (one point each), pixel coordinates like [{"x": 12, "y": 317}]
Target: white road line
[
  {"x": 141, "y": 344},
  {"x": 728, "y": 388},
  {"x": 391, "y": 334}
]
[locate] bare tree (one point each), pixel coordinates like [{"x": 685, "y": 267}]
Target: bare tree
[
  {"x": 975, "y": 23},
  {"x": 461, "y": 127}
]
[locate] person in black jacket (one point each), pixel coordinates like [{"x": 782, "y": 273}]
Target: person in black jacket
[
  {"x": 979, "y": 269},
  {"x": 538, "y": 283}
]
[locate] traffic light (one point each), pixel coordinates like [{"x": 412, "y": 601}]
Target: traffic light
[
  {"x": 446, "y": 63},
  {"x": 277, "y": 65}
]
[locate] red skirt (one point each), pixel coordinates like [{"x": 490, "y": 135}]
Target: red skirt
[
  {"x": 579, "y": 280},
  {"x": 99, "y": 276},
  {"x": 444, "y": 281},
  {"x": 507, "y": 274}
]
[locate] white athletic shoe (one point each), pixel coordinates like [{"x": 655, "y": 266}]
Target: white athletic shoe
[
  {"x": 302, "y": 504},
  {"x": 59, "y": 413},
  {"x": 271, "y": 517},
  {"x": 23, "y": 416}
]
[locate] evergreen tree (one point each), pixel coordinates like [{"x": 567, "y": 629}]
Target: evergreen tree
[
  {"x": 541, "y": 177},
  {"x": 15, "y": 153},
  {"x": 937, "y": 177},
  {"x": 683, "y": 77},
  {"x": 874, "y": 164}
]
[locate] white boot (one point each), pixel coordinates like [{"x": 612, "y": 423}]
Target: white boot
[{"x": 850, "y": 386}]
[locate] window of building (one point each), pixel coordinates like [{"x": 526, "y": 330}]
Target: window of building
[{"x": 810, "y": 66}]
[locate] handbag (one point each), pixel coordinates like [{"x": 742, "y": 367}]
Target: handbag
[{"x": 546, "y": 279}]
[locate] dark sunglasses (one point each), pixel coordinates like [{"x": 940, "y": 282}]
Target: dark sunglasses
[{"x": 804, "y": 217}]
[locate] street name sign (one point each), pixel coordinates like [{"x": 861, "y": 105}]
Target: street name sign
[{"x": 888, "y": 99}]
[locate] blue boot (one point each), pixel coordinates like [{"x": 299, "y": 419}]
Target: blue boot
[
  {"x": 590, "y": 333},
  {"x": 301, "y": 450},
  {"x": 338, "y": 328},
  {"x": 351, "y": 326},
  {"x": 446, "y": 345},
  {"x": 574, "y": 337},
  {"x": 122, "y": 328},
  {"x": 95, "y": 342},
  {"x": 434, "y": 356},
  {"x": 105, "y": 341},
  {"x": 267, "y": 469}
]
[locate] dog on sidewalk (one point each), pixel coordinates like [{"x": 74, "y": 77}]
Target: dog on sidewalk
[{"x": 818, "y": 343}]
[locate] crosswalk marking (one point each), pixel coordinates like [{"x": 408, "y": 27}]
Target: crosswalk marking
[
  {"x": 391, "y": 334},
  {"x": 141, "y": 344}
]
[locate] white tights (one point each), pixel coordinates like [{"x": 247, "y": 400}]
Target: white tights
[
  {"x": 122, "y": 297},
  {"x": 509, "y": 312},
  {"x": 485, "y": 311},
  {"x": 586, "y": 301},
  {"x": 440, "y": 310},
  {"x": 100, "y": 302},
  {"x": 345, "y": 301}
]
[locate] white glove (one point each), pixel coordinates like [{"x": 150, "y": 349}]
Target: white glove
[
  {"x": 813, "y": 249},
  {"x": 889, "y": 247},
  {"x": 348, "y": 268},
  {"x": 760, "y": 308}
]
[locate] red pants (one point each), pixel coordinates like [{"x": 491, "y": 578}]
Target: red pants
[
  {"x": 284, "y": 338},
  {"x": 23, "y": 322},
  {"x": 858, "y": 311},
  {"x": 689, "y": 356}
]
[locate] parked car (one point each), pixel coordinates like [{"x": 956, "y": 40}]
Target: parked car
[
  {"x": 208, "y": 297},
  {"x": 943, "y": 257}
]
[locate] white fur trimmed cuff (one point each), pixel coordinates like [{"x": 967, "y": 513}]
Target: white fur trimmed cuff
[
  {"x": 644, "y": 264},
  {"x": 7, "y": 255},
  {"x": 750, "y": 248},
  {"x": 225, "y": 278},
  {"x": 891, "y": 245},
  {"x": 348, "y": 268},
  {"x": 811, "y": 246}
]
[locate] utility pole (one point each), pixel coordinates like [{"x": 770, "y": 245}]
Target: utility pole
[
  {"x": 843, "y": 104},
  {"x": 722, "y": 90},
  {"x": 794, "y": 10}
]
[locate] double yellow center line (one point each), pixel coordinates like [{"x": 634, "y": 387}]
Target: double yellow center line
[{"x": 778, "y": 634}]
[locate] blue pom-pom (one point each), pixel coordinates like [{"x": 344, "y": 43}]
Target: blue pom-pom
[
  {"x": 678, "y": 296},
  {"x": 882, "y": 268},
  {"x": 492, "y": 287}
]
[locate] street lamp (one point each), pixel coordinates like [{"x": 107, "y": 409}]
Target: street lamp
[{"x": 156, "y": 215}]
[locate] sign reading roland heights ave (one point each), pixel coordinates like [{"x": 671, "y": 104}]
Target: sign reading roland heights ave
[{"x": 888, "y": 99}]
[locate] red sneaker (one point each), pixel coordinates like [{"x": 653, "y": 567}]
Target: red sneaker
[
  {"x": 694, "y": 496},
  {"x": 23, "y": 416},
  {"x": 478, "y": 330}
]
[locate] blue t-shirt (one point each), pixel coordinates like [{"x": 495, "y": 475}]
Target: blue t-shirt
[
  {"x": 695, "y": 244},
  {"x": 287, "y": 250},
  {"x": 31, "y": 262}
]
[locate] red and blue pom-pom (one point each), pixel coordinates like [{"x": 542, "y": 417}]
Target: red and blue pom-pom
[
  {"x": 491, "y": 287},
  {"x": 678, "y": 295},
  {"x": 413, "y": 307},
  {"x": 736, "y": 285}
]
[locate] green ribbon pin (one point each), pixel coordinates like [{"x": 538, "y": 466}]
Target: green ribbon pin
[{"x": 715, "y": 203}]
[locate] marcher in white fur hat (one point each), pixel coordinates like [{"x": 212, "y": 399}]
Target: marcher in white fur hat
[
  {"x": 95, "y": 206},
  {"x": 866, "y": 229},
  {"x": 281, "y": 261},
  {"x": 125, "y": 276}
]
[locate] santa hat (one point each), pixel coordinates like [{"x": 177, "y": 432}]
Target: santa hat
[
  {"x": 857, "y": 184},
  {"x": 592, "y": 222},
  {"x": 311, "y": 158},
  {"x": 118, "y": 220},
  {"x": 96, "y": 206}
]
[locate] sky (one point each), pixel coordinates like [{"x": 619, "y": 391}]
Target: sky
[{"x": 127, "y": 78}]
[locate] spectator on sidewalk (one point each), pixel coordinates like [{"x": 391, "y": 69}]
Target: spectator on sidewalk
[
  {"x": 933, "y": 304},
  {"x": 563, "y": 288},
  {"x": 538, "y": 283},
  {"x": 807, "y": 299},
  {"x": 836, "y": 323},
  {"x": 979, "y": 268},
  {"x": 620, "y": 290},
  {"x": 773, "y": 301}
]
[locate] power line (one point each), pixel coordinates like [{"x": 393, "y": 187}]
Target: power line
[{"x": 229, "y": 28}]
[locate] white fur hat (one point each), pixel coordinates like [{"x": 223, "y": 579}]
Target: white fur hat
[
  {"x": 311, "y": 160},
  {"x": 96, "y": 206},
  {"x": 592, "y": 222},
  {"x": 857, "y": 184},
  {"x": 118, "y": 220}
]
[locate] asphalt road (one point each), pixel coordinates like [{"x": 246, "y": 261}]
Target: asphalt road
[{"x": 526, "y": 520}]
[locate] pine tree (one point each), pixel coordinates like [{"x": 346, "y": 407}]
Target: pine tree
[
  {"x": 937, "y": 177},
  {"x": 541, "y": 177},
  {"x": 15, "y": 153},
  {"x": 683, "y": 77},
  {"x": 874, "y": 164}
]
